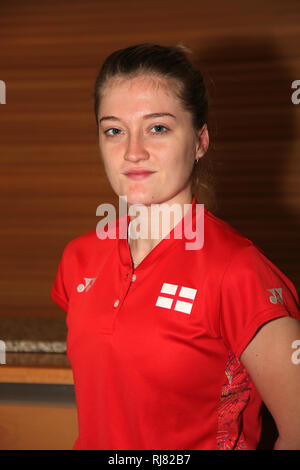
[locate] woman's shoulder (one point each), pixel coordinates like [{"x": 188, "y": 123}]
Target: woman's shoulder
[
  {"x": 90, "y": 242},
  {"x": 243, "y": 260},
  {"x": 102, "y": 237},
  {"x": 222, "y": 237}
]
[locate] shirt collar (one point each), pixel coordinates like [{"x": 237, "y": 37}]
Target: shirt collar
[{"x": 184, "y": 227}]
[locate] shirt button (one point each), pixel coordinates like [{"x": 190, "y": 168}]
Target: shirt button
[
  {"x": 116, "y": 303},
  {"x": 133, "y": 278}
]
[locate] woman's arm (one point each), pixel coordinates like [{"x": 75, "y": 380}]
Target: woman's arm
[{"x": 268, "y": 359}]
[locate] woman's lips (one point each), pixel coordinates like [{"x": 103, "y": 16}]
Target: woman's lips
[{"x": 134, "y": 175}]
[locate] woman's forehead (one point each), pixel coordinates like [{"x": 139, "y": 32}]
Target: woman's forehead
[
  {"x": 142, "y": 95},
  {"x": 149, "y": 82}
]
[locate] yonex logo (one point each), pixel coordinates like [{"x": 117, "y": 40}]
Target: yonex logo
[
  {"x": 176, "y": 297},
  {"x": 277, "y": 295},
  {"x": 89, "y": 281}
]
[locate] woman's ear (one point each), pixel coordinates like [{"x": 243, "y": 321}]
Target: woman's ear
[{"x": 202, "y": 141}]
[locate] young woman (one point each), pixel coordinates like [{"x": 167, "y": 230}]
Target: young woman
[{"x": 172, "y": 348}]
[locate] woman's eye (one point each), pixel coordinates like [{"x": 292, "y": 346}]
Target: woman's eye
[
  {"x": 112, "y": 129},
  {"x": 160, "y": 127}
]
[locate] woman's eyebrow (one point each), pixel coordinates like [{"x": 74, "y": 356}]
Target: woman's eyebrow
[{"x": 147, "y": 116}]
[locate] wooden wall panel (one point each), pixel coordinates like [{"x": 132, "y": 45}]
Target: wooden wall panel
[
  {"x": 51, "y": 427},
  {"x": 51, "y": 177}
]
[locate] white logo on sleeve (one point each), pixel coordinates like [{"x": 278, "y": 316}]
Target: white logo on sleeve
[
  {"x": 277, "y": 295},
  {"x": 176, "y": 297},
  {"x": 89, "y": 281}
]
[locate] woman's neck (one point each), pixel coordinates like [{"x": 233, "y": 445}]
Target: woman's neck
[{"x": 150, "y": 226}]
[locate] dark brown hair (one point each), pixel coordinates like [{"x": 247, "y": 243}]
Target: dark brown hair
[{"x": 169, "y": 62}]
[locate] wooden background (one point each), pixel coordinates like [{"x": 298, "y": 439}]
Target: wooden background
[{"x": 51, "y": 177}]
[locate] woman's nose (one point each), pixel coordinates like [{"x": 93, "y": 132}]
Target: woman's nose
[{"x": 136, "y": 149}]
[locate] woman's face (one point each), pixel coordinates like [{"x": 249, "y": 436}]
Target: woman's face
[{"x": 132, "y": 137}]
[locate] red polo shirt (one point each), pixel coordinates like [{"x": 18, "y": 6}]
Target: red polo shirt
[{"x": 155, "y": 355}]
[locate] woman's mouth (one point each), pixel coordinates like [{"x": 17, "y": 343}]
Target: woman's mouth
[{"x": 138, "y": 174}]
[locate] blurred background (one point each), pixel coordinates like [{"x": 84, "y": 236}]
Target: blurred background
[{"x": 52, "y": 180}]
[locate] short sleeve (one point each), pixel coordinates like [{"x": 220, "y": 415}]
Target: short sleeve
[
  {"x": 61, "y": 288},
  {"x": 254, "y": 291}
]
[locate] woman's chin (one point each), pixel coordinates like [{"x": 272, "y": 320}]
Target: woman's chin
[{"x": 139, "y": 198}]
